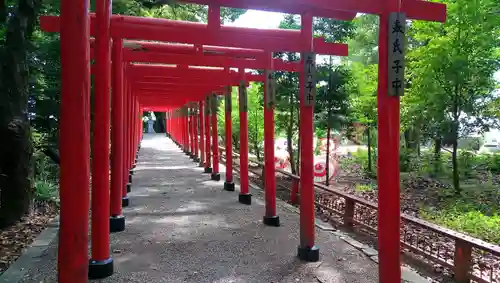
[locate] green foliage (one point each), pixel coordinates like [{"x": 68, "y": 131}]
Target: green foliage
[
  {"x": 332, "y": 103},
  {"x": 408, "y": 160},
  {"x": 473, "y": 223},
  {"x": 46, "y": 190},
  {"x": 317, "y": 146},
  {"x": 451, "y": 69},
  {"x": 360, "y": 157},
  {"x": 256, "y": 119},
  {"x": 363, "y": 89},
  {"x": 364, "y": 188},
  {"x": 235, "y": 118},
  {"x": 363, "y": 44}
]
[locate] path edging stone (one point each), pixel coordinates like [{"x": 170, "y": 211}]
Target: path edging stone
[
  {"x": 32, "y": 255},
  {"x": 407, "y": 274}
]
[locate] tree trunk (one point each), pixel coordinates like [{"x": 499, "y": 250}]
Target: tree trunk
[
  {"x": 407, "y": 139},
  {"x": 456, "y": 178},
  {"x": 369, "y": 149},
  {"x": 418, "y": 136},
  {"x": 437, "y": 156},
  {"x": 16, "y": 149},
  {"x": 329, "y": 125},
  {"x": 236, "y": 139},
  {"x": 289, "y": 137},
  {"x": 454, "y": 133},
  {"x": 256, "y": 139},
  {"x": 454, "y": 161},
  {"x": 299, "y": 144}
]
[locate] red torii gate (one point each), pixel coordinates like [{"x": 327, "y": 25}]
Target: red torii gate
[
  {"x": 270, "y": 194},
  {"x": 74, "y": 138},
  {"x": 131, "y": 27}
]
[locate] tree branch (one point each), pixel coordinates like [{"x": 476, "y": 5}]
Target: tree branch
[{"x": 445, "y": 149}]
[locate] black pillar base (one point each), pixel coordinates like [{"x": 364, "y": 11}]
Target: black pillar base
[
  {"x": 229, "y": 186},
  {"x": 125, "y": 201},
  {"x": 129, "y": 187},
  {"x": 130, "y": 177},
  {"x": 271, "y": 221},
  {"x": 215, "y": 177},
  {"x": 308, "y": 254},
  {"x": 131, "y": 172},
  {"x": 201, "y": 165},
  {"x": 208, "y": 170},
  {"x": 196, "y": 159},
  {"x": 100, "y": 269},
  {"x": 117, "y": 223},
  {"x": 245, "y": 198}
]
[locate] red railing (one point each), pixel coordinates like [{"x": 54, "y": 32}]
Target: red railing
[{"x": 466, "y": 258}]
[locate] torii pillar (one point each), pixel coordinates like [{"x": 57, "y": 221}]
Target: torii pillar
[
  {"x": 229, "y": 184},
  {"x": 215, "y": 139},
  {"x": 270, "y": 217},
  {"x": 195, "y": 132},
  {"x": 126, "y": 135},
  {"x": 244, "y": 197},
  {"x": 388, "y": 159},
  {"x": 74, "y": 143},
  {"x": 101, "y": 263},
  {"x": 117, "y": 220},
  {"x": 208, "y": 169},
  {"x": 191, "y": 129},
  {"x": 307, "y": 249},
  {"x": 201, "y": 124}
]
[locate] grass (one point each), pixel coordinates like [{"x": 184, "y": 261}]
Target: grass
[
  {"x": 46, "y": 190},
  {"x": 472, "y": 222},
  {"x": 364, "y": 188},
  {"x": 475, "y": 211}
]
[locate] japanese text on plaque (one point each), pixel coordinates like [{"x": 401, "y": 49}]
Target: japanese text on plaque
[
  {"x": 310, "y": 78},
  {"x": 396, "y": 67}
]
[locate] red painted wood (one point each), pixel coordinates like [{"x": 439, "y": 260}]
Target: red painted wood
[
  {"x": 340, "y": 9},
  {"x": 117, "y": 129},
  {"x": 290, "y": 7},
  {"x": 229, "y": 139},
  {"x": 202, "y": 131},
  {"x": 244, "y": 189},
  {"x": 307, "y": 217},
  {"x": 269, "y": 165},
  {"x": 215, "y": 140},
  {"x": 74, "y": 142},
  {"x": 388, "y": 162},
  {"x": 101, "y": 134},
  {"x": 155, "y": 29},
  {"x": 213, "y": 61}
]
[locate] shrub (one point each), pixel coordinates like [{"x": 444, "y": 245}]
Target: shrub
[
  {"x": 45, "y": 190},
  {"x": 467, "y": 161},
  {"x": 493, "y": 162},
  {"x": 408, "y": 160}
]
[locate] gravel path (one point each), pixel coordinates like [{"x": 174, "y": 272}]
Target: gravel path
[{"x": 182, "y": 227}]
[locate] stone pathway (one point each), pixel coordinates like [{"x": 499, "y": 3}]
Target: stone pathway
[{"x": 182, "y": 227}]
